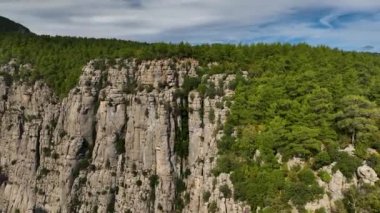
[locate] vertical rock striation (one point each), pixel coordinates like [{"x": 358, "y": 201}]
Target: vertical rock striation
[{"x": 110, "y": 145}]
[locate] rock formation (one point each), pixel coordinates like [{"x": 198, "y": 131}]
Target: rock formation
[
  {"x": 112, "y": 144},
  {"x": 367, "y": 175}
]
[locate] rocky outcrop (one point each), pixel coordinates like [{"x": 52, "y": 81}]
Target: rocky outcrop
[
  {"x": 367, "y": 175},
  {"x": 205, "y": 127},
  {"x": 334, "y": 190},
  {"x": 112, "y": 144}
]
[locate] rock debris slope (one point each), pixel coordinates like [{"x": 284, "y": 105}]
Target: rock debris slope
[{"x": 114, "y": 144}]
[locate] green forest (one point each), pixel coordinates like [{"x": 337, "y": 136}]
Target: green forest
[
  {"x": 297, "y": 101},
  {"x": 307, "y": 103}
]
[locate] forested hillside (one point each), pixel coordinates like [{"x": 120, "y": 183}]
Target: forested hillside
[
  {"x": 307, "y": 103},
  {"x": 7, "y": 26},
  {"x": 296, "y": 101}
]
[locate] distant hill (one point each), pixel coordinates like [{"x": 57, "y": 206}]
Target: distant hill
[{"x": 7, "y": 25}]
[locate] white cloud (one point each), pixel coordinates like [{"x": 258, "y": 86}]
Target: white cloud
[{"x": 196, "y": 20}]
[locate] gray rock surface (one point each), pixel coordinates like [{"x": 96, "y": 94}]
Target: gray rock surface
[{"x": 106, "y": 147}]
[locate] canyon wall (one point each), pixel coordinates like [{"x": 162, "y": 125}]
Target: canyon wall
[{"x": 123, "y": 140}]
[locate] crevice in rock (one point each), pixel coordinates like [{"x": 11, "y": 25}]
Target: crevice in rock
[
  {"x": 112, "y": 200},
  {"x": 153, "y": 182},
  {"x": 170, "y": 154},
  {"x": 225, "y": 205},
  {"x": 38, "y": 209},
  {"x": 20, "y": 126},
  {"x": 94, "y": 133},
  {"x": 199, "y": 203},
  {"x": 99, "y": 86},
  {"x": 201, "y": 112},
  {"x": 37, "y": 148}
]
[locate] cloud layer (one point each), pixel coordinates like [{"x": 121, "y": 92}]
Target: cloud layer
[{"x": 346, "y": 24}]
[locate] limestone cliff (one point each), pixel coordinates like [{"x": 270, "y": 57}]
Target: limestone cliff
[{"x": 110, "y": 145}]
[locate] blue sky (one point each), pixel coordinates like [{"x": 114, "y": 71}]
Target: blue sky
[{"x": 346, "y": 24}]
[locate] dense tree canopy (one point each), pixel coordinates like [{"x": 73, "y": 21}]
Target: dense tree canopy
[
  {"x": 299, "y": 102},
  {"x": 358, "y": 117}
]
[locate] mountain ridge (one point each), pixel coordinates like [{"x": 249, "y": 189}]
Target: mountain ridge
[{"x": 9, "y": 26}]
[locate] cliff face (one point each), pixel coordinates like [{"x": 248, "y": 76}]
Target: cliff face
[{"x": 114, "y": 144}]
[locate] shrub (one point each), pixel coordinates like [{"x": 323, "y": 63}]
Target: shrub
[
  {"x": 95, "y": 209},
  {"x": 190, "y": 83},
  {"x": 55, "y": 155},
  {"x": 325, "y": 176},
  {"x": 62, "y": 133},
  {"x": 187, "y": 198},
  {"x": 306, "y": 176},
  {"x": 99, "y": 65},
  {"x": 321, "y": 159},
  {"x": 225, "y": 164},
  {"x": 119, "y": 145},
  {"x": 43, "y": 173},
  {"x": 202, "y": 89},
  {"x": 321, "y": 210},
  {"x": 232, "y": 84},
  {"x": 212, "y": 207},
  {"x": 153, "y": 180},
  {"x": 8, "y": 79},
  {"x": 187, "y": 173},
  {"x": 300, "y": 193},
  {"x": 347, "y": 164},
  {"x": 211, "y": 115},
  {"x": 225, "y": 190},
  {"x": 149, "y": 88},
  {"x": 46, "y": 151},
  {"x": 81, "y": 165},
  {"x": 374, "y": 162},
  {"x": 206, "y": 196},
  {"x": 210, "y": 90},
  {"x": 111, "y": 204},
  {"x": 219, "y": 105},
  {"x": 180, "y": 185},
  {"x": 82, "y": 180},
  {"x": 160, "y": 207}
]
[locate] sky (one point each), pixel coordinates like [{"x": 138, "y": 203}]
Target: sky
[{"x": 345, "y": 24}]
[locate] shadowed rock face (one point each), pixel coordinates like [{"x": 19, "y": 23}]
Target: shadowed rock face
[
  {"x": 110, "y": 145},
  {"x": 7, "y": 25}
]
